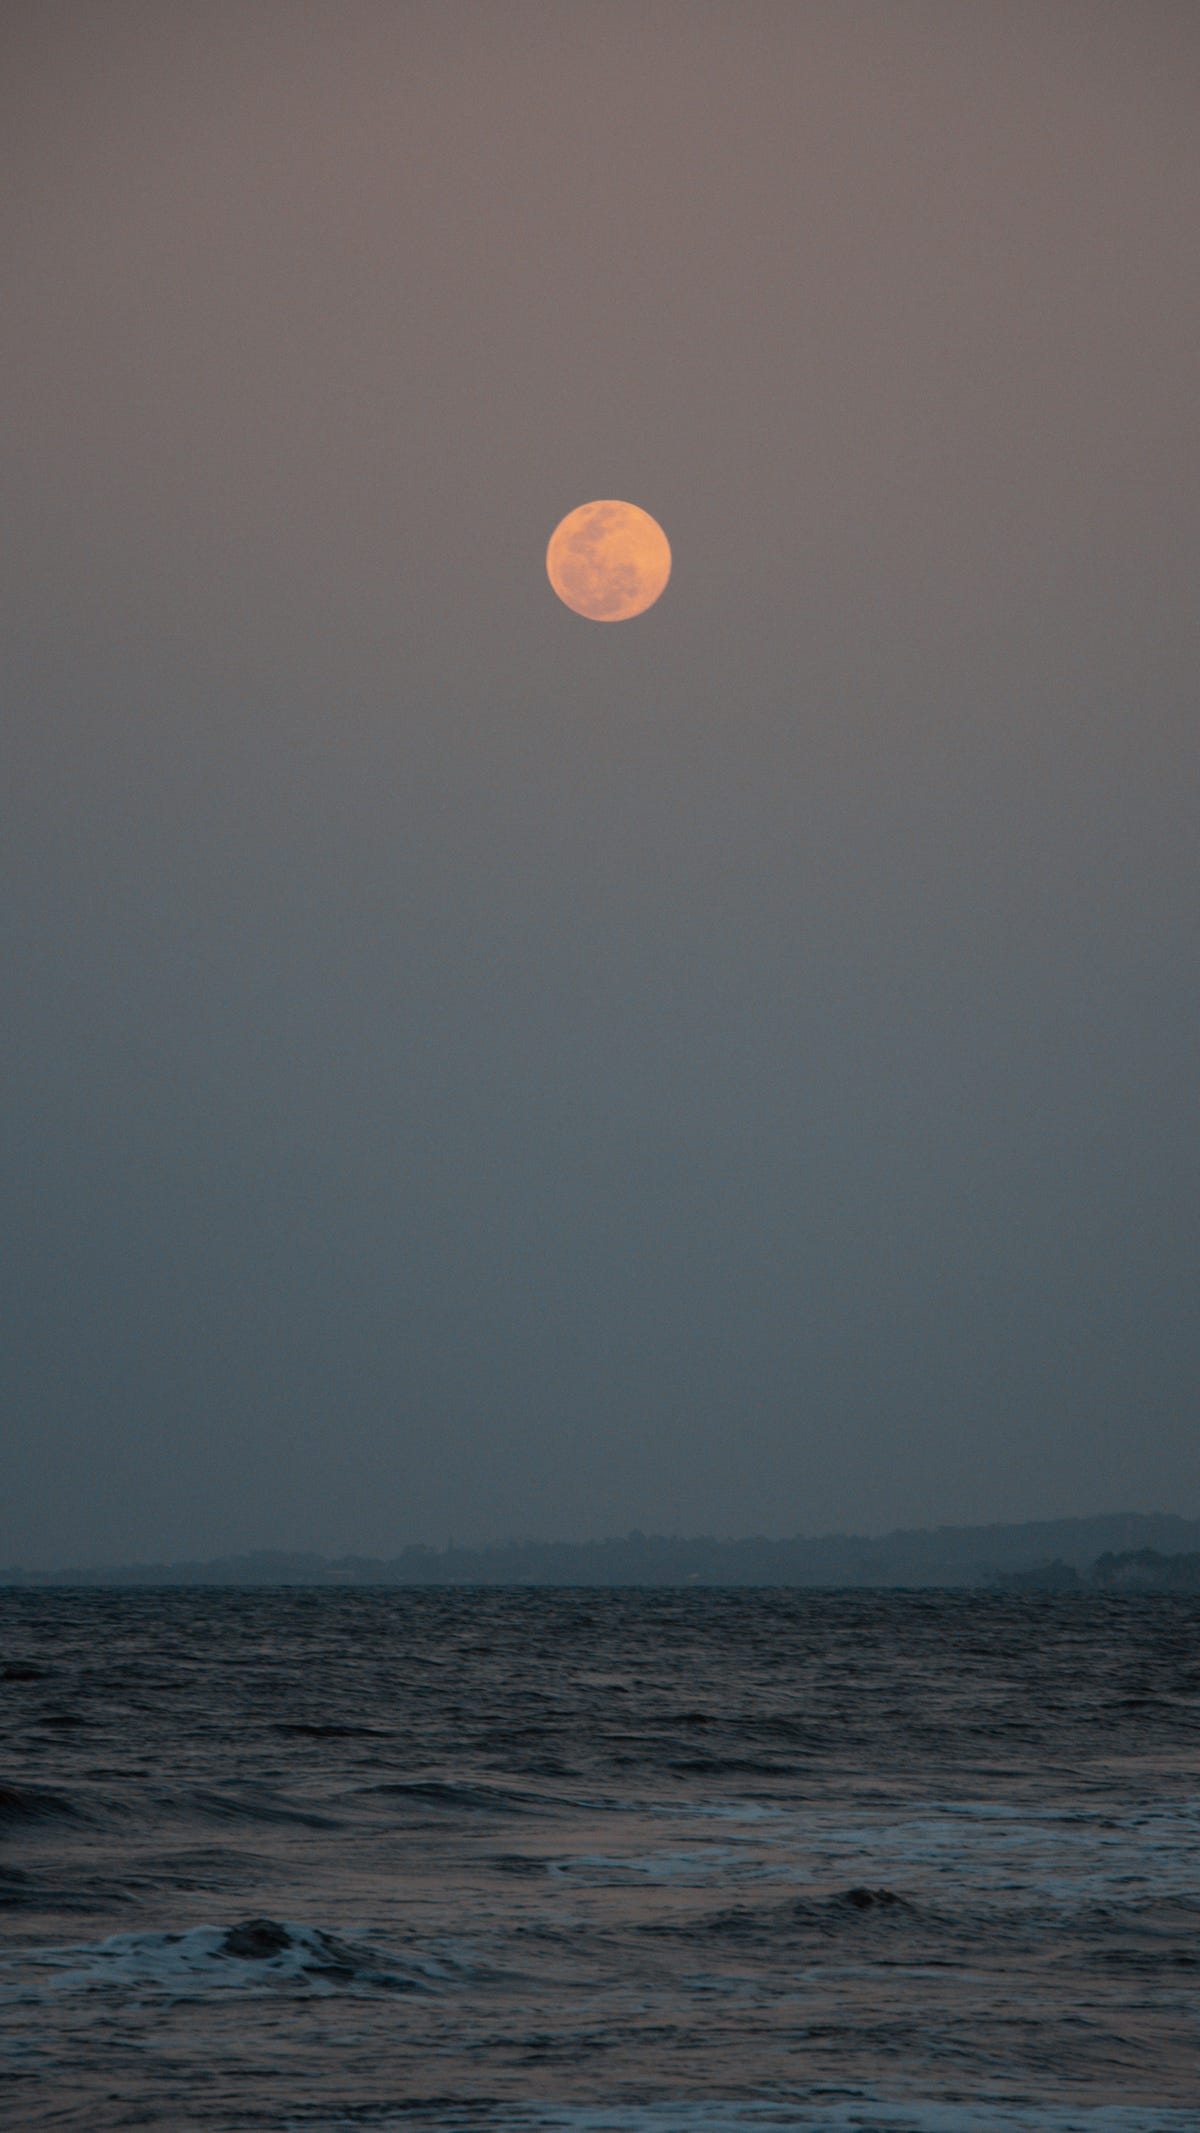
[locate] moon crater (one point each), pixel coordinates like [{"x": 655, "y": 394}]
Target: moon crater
[{"x": 608, "y": 560}]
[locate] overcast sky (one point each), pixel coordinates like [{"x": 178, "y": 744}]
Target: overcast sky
[{"x": 472, "y": 1071}]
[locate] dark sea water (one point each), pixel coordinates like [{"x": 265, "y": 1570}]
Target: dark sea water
[{"x": 583, "y": 1862}]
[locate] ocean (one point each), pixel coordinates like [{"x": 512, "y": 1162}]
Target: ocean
[{"x": 599, "y": 1862}]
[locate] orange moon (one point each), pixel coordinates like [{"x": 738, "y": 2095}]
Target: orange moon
[{"x": 608, "y": 560}]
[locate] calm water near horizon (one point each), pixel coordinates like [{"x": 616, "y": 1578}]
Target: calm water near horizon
[{"x": 599, "y": 1862}]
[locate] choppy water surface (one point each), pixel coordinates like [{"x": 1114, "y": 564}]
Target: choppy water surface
[{"x": 599, "y": 1862}]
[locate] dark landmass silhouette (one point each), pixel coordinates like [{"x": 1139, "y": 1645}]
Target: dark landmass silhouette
[{"x": 1122, "y": 1551}]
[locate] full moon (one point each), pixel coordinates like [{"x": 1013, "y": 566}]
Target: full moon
[{"x": 608, "y": 560}]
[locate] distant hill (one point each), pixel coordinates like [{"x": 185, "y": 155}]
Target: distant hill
[{"x": 1124, "y": 1547}]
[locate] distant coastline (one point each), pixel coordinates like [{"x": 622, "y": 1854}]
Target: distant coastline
[{"x": 1152, "y": 1551}]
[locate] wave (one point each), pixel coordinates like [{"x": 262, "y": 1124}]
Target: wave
[
  {"x": 22, "y": 1804},
  {"x": 251, "y": 1805},
  {"x": 253, "y": 1955},
  {"x": 310, "y": 1729},
  {"x": 698, "y": 1867},
  {"x": 729, "y": 1766},
  {"x": 845, "y": 1910},
  {"x": 834, "y": 2112},
  {"x": 477, "y": 1799}
]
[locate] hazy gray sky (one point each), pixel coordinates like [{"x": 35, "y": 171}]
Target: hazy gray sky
[{"x": 470, "y": 1070}]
